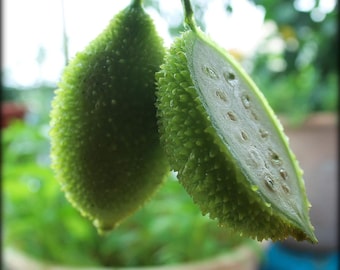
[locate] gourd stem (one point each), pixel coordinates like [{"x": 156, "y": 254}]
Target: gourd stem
[
  {"x": 137, "y": 3},
  {"x": 189, "y": 15}
]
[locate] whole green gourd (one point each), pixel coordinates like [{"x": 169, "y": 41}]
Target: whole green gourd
[
  {"x": 226, "y": 144},
  {"x": 105, "y": 143}
]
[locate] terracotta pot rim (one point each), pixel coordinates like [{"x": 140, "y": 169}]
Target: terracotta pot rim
[
  {"x": 246, "y": 254},
  {"x": 317, "y": 119}
]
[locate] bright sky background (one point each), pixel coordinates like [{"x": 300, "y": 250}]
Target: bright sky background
[{"x": 31, "y": 25}]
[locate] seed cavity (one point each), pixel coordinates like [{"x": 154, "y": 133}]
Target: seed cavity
[
  {"x": 264, "y": 133},
  {"x": 275, "y": 159},
  {"x": 221, "y": 95},
  {"x": 266, "y": 164},
  {"x": 246, "y": 101},
  {"x": 229, "y": 76},
  {"x": 285, "y": 188},
  {"x": 283, "y": 174},
  {"x": 210, "y": 72},
  {"x": 244, "y": 135},
  {"x": 254, "y": 158},
  {"x": 254, "y": 115},
  {"x": 232, "y": 116},
  {"x": 269, "y": 181}
]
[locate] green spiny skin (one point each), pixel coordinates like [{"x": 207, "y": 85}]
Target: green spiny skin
[
  {"x": 226, "y": 144},
  {"x": 105, "y": 143}
]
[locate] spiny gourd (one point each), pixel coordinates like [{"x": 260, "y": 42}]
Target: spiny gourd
[
  {"x": 225, "y": 142},
  {"x": 104, "y": 136}
]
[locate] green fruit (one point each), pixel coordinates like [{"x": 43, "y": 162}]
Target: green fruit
[
  {"x": 105, "y": 144},
  {"x": 226, "y": 144}
]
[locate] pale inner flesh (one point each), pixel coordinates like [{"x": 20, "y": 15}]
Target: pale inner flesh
[{"x": 247, "y": 130}]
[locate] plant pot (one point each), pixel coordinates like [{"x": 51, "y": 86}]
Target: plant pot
[
  {"x": 11, "y": 111},
  {"x": 315, "y": 145},
  {"x": 243, "y": 257}
]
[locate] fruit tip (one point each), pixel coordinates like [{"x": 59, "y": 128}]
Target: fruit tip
[
  {"x": 310, "y": 235},
  {"x": 312, "y": 238},
  {"x": 103, "y": 228},
  {"x": 102, "y": 232}
]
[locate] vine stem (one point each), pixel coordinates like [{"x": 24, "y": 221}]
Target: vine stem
[
  {"x": 65, "y": 38},
  {"x": 137, "y": 3},
  {"x": 189, "y": 15}
]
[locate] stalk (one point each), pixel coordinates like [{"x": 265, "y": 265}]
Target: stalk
[{"x": 189, "y": 15}]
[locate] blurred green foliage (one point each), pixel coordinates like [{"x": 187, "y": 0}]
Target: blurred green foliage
[
  {"x": 39, "y": 220},
  {"x": 303, "y": 77}
]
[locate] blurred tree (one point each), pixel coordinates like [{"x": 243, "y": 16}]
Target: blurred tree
[
  {"x": 306, "y": 28},
  {"x": 309, "y": 56}
]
